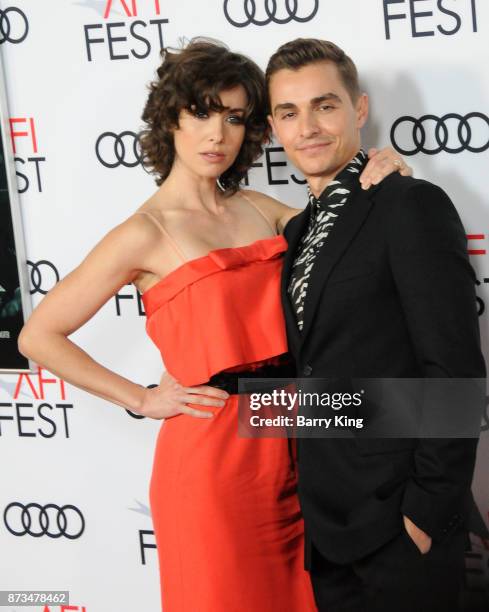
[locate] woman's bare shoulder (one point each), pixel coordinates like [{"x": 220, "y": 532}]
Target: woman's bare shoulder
[
  {"x": 114, "y": 261},
  {"x": 263, "y": 198},
  {"x": 140, "y": 228},
  {"x": 280, "y": 212}
]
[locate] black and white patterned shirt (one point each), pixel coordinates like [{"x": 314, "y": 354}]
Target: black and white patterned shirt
[{"x": 324, "y": 212}]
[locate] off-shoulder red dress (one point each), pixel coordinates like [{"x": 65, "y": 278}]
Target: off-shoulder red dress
[{"x": 225, "y": 511}]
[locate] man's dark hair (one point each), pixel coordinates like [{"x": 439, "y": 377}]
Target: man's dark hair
[{"x": 304, "y": 51}]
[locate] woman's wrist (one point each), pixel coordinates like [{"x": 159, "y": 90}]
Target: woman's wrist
[
  {"x": 139, "y": 395},
  {"x": 134, "y": 399}
]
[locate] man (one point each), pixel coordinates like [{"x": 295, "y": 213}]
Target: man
[{"x": 376, "y": 283}]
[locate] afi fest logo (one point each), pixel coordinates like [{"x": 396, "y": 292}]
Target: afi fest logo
[
  {"x": 14, "y": 26},
  {"x": 130, "y": 38},
  {"x": 452, "y": 133},
  {"x": 242, "y": 13},
  {"x": 44, "y": 417},
  {"x": 478, "y": 247},
  {"x": 277, "y": 168},
  {"x": 23, "y": 134},
  {"x": 146, "y": 536},
  {"x": 420, "y": 18}
]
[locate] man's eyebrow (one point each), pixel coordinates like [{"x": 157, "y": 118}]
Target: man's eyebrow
[
  {"x": 283, "y": 106},
  {"x": 326, "y": 98}
]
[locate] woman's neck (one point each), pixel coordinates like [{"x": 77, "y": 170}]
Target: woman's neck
[{"x": 192, "y": 191}]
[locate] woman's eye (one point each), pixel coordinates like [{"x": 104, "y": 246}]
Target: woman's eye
[
  {"x": 237, "y": 119},
  {"x": 200, "y": 114}
]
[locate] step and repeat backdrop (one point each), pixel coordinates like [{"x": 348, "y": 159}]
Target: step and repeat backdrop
[{"x": 74, "y": 511}]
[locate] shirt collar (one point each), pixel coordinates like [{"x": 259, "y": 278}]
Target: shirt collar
[{"x": 345, "y": 178}]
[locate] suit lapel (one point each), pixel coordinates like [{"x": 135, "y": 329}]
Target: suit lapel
[
  {"x": 294, "y": 231},
  {"x": 342, "y": 233}
]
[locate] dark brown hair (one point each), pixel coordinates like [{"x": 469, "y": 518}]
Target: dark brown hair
[
  {"x": 191, "y": 79},
  {"x": 304, "y": 51}
]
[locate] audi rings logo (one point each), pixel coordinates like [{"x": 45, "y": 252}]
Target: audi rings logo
[
  {"x": 43, "y": 273},
  {"x": 451, "y": 133},
  {"x": 115, "y": 150},
  {"x": 14, "y": 26},
  {"x": 50, "y": 519},
  {"x": 241, "y": 13}
]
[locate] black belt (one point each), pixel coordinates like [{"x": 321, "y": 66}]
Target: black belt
[{"x": 229, "y": 381}]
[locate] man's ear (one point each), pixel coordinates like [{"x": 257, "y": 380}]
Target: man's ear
[
  {"x": 362, "y": 106},
  {"x": 271, "y": 123}
]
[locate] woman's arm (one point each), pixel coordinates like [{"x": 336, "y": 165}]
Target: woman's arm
[
  {"x": 111, "y": 264},
  {"x": 115, "y": 261},
  {"x": 382, "y": 163}
]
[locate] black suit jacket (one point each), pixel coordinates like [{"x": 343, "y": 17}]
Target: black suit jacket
[{"x": 391, "y": 295}]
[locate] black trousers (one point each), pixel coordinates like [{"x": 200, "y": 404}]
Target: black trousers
[{"x": 395, "y": 577}]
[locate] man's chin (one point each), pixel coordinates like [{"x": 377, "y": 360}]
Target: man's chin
[
  {"x": 322, "y": 168},
  {"x": 315, "y": 167},
  {"x": 316, "y": 171}
]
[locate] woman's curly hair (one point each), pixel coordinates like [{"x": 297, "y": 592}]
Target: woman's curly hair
[{"x": 191, "y": 79}]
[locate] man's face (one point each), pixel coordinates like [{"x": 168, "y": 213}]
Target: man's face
[{"x": 315, "y": 119}]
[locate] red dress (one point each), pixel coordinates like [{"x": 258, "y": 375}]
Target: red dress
[{"x": 225, "y": 511}]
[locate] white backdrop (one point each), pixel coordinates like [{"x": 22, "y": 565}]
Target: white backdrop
[{"x": 76, "y": 74}]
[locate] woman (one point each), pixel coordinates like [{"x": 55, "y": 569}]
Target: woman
[{"x": 207, "y": 260}]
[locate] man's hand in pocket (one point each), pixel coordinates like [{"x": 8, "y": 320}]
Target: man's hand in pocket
[{"x": 417, "y": 535}]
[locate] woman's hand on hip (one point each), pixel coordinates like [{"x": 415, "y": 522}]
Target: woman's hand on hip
[{"x": 171, "y": 398}]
